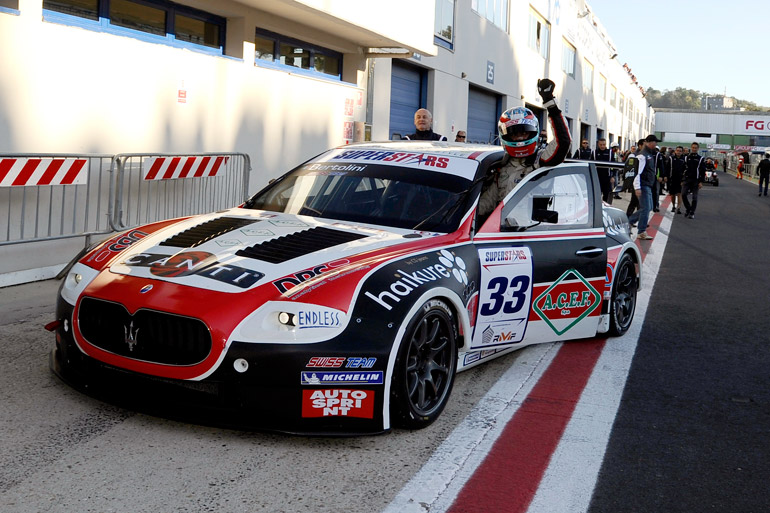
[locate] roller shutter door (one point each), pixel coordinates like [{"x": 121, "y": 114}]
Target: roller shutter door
[
  {"x": 483, "y": 113},
  {"x": 406, "y": 95}
]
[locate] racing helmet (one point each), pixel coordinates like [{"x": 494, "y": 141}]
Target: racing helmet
[{"x": 519, "y": 131}]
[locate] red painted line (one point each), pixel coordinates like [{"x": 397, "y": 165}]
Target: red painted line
[
  {"x": 5, "y": 167},
  {"x": 187, "y": 166},
  {"x": 26, "y": 172},
  {"x": 171, "y": 168},
  {"x": 509, "y": 476},
  {"x": 155, "y": 168},
  {"x": 202, "y": 167},
  {"x": 73, "y": 172},
  {"x": 50, "y": 171}
]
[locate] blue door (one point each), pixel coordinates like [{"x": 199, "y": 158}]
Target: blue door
[
  {"x": 483, "y": 113},
  {"x": 407, "y": 86}
]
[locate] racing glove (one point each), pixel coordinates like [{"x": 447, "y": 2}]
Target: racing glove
[{"x": 546, "y": 87}]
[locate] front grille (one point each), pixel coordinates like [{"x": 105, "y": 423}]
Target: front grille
[
  {"x": 297, "y": 244},
  {"x": 148, "y": 335},
  {"x": 204, "y": 232}
]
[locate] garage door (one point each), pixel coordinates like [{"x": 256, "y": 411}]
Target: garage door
[
  {"x": 406, "y": 96},
  {"x": 483, "y": 113}
]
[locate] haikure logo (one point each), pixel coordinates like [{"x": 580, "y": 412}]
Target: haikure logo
[{"x": 456, "y": 264}]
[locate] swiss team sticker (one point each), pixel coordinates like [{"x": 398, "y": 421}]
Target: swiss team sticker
[{"x": 338, "y": 403}]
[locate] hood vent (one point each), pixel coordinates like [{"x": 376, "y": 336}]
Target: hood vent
[
  {"x": 204, "y": 232},
  {"x": 297, "y": 244}
]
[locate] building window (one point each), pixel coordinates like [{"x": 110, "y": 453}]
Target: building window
[
  {"x": 445, "y": 22},
  {"x": 279, "y": 49},
  {"x": 613, "y": 96},
  {"x": 495, "y": 11},
  {"x": 159, "y": 18},
  {"x": 588, "y": 75},
  {"x": 602, "y": 87},
  {"x": 622, "y": 105},
  {"x": 568, "y": 58},
  {"x": 539, "y": 34}
]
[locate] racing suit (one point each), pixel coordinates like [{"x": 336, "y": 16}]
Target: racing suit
[{"x": 514, "y": 169}]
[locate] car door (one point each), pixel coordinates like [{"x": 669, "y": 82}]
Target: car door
[{"x": 543, "y": 255}]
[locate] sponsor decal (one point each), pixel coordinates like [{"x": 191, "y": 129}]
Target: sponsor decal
[
  {"x": 229, "y": 242},
  {"x": 564, "y": 304},
  {"x": 341, "y": 378},
  {"x": 334, "y": 362},
  {"x": 449, "y": 265},
  {"x": 318, "y": 319},
  {"x": 117, "y": 245},
  {"x": 254, "y": 232},
  {"x": 290, "y": 223},
  {"x": 505, "y": 296},
  {"x": 288, "y": 282},
  {"x": 338, "y": 403},
  {"x": 198, "y": 263},
  {"x": 334, "y": 167}
]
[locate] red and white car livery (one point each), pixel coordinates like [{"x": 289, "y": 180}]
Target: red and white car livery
[{"x": 345, "y": 296}]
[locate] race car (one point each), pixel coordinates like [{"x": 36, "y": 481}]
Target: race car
[{"x": 344, "y": 297}]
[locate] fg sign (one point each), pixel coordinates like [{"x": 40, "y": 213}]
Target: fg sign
[{"x": 752, "y": 124}]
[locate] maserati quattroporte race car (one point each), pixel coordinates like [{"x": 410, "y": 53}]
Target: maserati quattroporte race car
[{"x": 345, "y": 296}]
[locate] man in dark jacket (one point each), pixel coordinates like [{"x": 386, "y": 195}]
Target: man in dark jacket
[
  {"x": 423, "y": 122},
  {"x": 643, "y": 184},
  {"x": 675, "y": 179},
  {"x": 694, "y": 176},
  {"x": 606, "y": 174},
  {"x": 584, "y": 152},
  {"x": 764, "y": 172}
]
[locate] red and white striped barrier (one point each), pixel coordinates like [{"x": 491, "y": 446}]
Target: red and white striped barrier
[
  {"x": 43, "y": 171},
  {"x": 166, "y": 168}
]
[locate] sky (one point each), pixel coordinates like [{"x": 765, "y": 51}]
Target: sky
[{"x": 704, "y": 45}]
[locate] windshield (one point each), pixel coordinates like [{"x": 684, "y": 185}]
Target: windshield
[{"x": 372, "y": 193}]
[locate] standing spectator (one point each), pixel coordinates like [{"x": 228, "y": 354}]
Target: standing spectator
[
  {"x": 724, "y": 164},
  {"x": 694, "y": 175},
  {"x": 584, "y": 152},
  {"x": 606, "y": 174},
  {"x": 657, "y": 184},
  {"x": 643, "y": 184},
  {"x": 423, "y": 122},
  {"x": 618, "y": 157},
  {"x": 628, "y": 183},
  {"x": 460, "y": 137},
  {"x": 675, "y": 179},
  {"x": 739, "y": 169},
  {"x": 764, "y": 172}
]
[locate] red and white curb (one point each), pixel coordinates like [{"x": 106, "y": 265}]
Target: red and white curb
[{"x": 536, "y": 441}]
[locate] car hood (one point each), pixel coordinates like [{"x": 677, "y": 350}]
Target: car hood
[{"x": 240, "y": 249}]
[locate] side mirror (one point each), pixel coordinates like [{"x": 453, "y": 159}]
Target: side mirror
[{"x": 541, "y": 212}]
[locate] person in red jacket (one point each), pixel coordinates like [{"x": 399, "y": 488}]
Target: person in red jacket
[{"x": 739, "y": 170}]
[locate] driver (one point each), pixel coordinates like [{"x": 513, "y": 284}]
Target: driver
[{"x": 519, "y": 131}]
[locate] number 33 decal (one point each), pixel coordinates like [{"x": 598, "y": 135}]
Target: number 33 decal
[{"x": 505, "y": 296}]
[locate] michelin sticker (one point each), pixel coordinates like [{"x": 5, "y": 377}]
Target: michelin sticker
[{"x": 504, "y": 297}]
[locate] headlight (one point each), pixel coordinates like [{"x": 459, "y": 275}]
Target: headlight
[
  {"x": 76, "y": 281},
  {"x": 290, "y": 322}
]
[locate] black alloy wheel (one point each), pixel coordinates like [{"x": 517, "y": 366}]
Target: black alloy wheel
[
  {"x": 623, "y": 302},
  {"x": 425, "y": 367}
]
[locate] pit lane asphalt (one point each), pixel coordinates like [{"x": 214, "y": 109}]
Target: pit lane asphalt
[
  {"x": 692, "y": 433},
  {"x": 693, "y": 429}
]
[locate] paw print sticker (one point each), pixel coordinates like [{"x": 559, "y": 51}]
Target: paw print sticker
[{"x": 456, "y": 264}]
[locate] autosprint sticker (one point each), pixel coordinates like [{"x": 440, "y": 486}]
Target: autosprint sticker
[
  {"x": 504, "y": 297},
  {"x": 341, "y": 378}
]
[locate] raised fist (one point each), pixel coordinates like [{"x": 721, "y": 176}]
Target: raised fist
[{"x": 545, "y": 87}]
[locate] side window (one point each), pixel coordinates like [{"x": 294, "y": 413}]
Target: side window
[{"x": 564, "y": 191}]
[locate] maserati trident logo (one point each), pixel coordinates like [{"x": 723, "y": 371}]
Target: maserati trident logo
[{"x": 131, "y": 335}]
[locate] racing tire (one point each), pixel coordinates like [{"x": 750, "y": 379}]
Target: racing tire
[
  {"x": 425, "y": 367},
  {"x": 623, "y": 299}
]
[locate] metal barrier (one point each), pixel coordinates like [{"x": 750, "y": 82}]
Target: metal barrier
[
  {"x": 153, "y": 187},
  {"x": 48, "y": 196}
]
